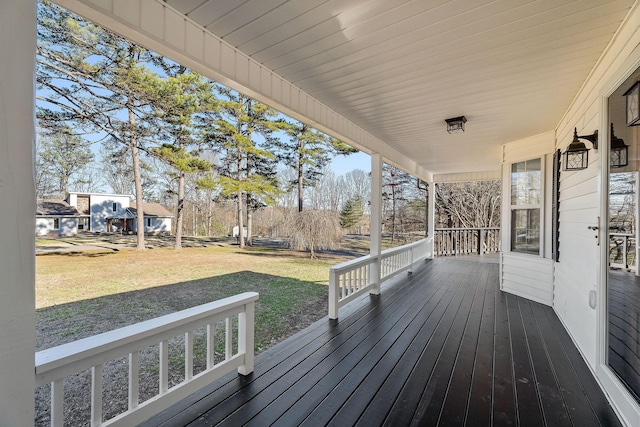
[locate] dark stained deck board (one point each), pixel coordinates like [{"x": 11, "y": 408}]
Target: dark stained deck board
[{"x": 443, "y": 346}]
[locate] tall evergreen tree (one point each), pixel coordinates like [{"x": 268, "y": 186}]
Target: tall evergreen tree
[
  {"x": 184, "y": 96},
  {"x": 98, "y": 82},
  {"x": 242, "y": 173},
  {"x": 308, "y": 152}
]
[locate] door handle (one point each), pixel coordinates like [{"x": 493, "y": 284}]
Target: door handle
[{"x": 596, "y": 228}]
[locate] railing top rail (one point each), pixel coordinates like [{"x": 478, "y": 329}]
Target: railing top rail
[
  {"x": 353, "y": 263},
  {"x": 622, "y": 234},
  {"x": 368, "y": 259},
  {"x": 399, "y": 249},
  {"x": 468, "y": 228},
  {"x": 86, "y": 348}
]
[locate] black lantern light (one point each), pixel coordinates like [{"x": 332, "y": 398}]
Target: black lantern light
[
  {"x": 456, "y": 124},
  {"x": 619, "y": 156},
  {"x": 577, "y": 155},
  {"x": 633, "y": 104}
]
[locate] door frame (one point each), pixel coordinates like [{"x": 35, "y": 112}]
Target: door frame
[{"x": 622, "y": 400}]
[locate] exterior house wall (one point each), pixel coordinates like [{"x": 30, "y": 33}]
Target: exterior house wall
[
  {"x": 101, "y": 208},
  {"x": 583, "y": 200},
  {"x": 529, "y": 276},
  {"x": 158, "y": 225},
  {"x": 46, "y": 225}
]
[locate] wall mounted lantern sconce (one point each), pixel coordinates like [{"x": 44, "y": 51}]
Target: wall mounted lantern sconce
[
  {"x": 633, "y": 104},
  {"x": 577, "y": 155},
  {"x": 619, "y": 156},
  {"x": 456, "y": 124}
]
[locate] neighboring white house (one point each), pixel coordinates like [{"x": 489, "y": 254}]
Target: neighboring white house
[
  {"x": 107, "y": 212},
  {"x": 54, "y": 216},
  {"x": 98, "y": 213},
  {"x": 157, "y": 219}
]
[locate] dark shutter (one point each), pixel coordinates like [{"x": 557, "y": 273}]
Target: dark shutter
[{"x": 555, "y": 207}]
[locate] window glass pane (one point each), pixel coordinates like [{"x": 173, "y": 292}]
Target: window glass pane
[
  {"x": 525, "y": 231},
  {"x": 526, "y": 178}
]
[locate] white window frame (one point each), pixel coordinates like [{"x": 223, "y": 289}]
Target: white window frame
[{"x": 540, "y": 206}]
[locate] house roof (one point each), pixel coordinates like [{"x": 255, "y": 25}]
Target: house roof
[
  {"x": 55, "y": 207},
  {"x": 152, "y": 209}
]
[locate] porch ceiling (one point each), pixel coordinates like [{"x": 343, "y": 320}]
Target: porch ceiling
[{"x": 398, "y": 68}]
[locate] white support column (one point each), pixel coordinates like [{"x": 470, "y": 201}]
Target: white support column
[
  {"x": 375, "y": 246},
  {"x": 431, "y": 228},
  {"x": 17, "y": 210}
]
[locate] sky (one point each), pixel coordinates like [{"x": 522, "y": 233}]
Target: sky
[{"x": 343, "y": 164}]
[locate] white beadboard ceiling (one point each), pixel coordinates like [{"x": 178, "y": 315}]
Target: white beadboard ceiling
[{"x": 398, "y": 68}]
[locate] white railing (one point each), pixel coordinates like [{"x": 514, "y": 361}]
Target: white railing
[
  {"x": 466, "y": 241},
  {"x": 56, "y": 364},
  {"x": 622, "y": 250},
  {"x": 353, "y": 278}
]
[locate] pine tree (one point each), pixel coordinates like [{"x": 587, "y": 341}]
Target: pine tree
[
  {"x": 352, "y": 213},
  {"x": 98, "y": 83},
  {"x": 308, "y": 151},
  {"x": 247, "y": 170},
  {"x": 184, "y": 96}
]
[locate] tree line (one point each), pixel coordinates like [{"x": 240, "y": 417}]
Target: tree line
[{"x": 215, "y": 156}]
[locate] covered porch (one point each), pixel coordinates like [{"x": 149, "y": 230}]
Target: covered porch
[
  {"x": 442, "y": 346},
  {"x": 447, "y": 345}
]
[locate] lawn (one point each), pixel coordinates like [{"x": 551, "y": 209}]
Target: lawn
[{"x": 84, "y": 293}]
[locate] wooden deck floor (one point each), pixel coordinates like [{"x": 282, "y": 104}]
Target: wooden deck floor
[{"x": 442, "y": 347}]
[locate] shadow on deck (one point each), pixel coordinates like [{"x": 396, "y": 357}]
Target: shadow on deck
[{"x": 442, "y": 347}]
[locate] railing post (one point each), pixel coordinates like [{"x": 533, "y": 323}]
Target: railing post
[
  {"x": 375, "y": 275},
  {"x": 334, "y": 294},
  {"x": 624, "y": 252},
  {"x": 480, "y": 240},
  {"x": 246, "y": 321},
  {"x": 410, "y": 270}
]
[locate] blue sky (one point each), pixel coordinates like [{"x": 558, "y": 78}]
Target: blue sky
[{"x": 343, "y": 164}]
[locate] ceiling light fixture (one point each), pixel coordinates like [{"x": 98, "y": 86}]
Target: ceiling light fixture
[{"x": 456, "y": 124}]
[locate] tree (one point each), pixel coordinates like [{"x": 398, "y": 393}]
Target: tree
[
  {"x": 308, "y": 152},
  {"x": 184, "y": 96},
  {"x": 352, "y": 213},
  {"x": 314, "y": 229},
  {"x": 471, "y": 204},
  {"x": 356, "y": 183},
  {"x": 61, "y": 155},
  {"x": 98, "y": 83},
  {"x": 245, "y": 172},
  {"x": 397, "y": 189}
]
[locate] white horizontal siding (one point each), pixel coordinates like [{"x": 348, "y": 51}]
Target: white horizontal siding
[
  {"x": 467, "y": 176},
  {"x": 528, "y": 276},
  {"x": 529, "y": 148}
]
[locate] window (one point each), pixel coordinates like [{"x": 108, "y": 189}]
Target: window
[
  {"x": 56, "y": 223},
  {"x": 148, "y": 222},
  {"x": 114, "y": 207},
  {"x": 526, "y": 196},
  {"x": 83, "y": 224}
]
